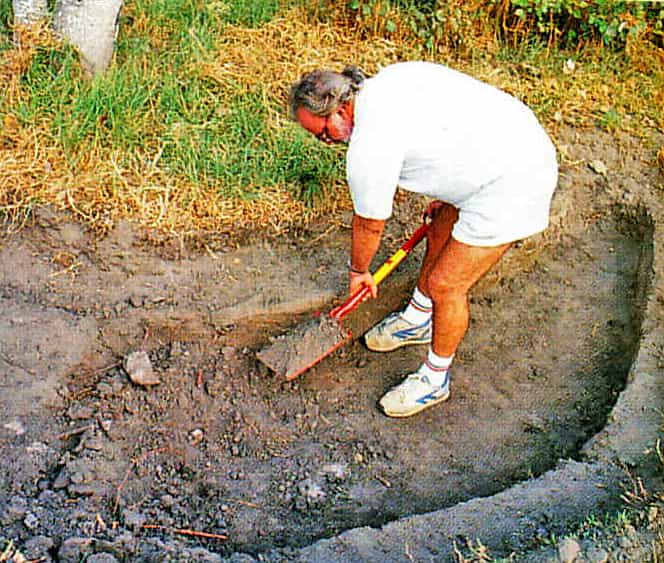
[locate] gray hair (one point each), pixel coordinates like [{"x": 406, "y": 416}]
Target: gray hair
[{"x": 323, "y": 91}]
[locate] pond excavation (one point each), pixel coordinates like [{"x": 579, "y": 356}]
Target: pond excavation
[{"x": 553, "y": 392}]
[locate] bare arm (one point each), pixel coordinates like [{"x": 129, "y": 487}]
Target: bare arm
[{"x": 365, "y": 241}]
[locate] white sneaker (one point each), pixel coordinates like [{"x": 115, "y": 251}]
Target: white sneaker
[
  {"x": 394, "y": 332},
  {"x": 414, "y": 394}
]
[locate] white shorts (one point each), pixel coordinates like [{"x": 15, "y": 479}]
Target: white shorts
[{"x": 512, "y": 207}]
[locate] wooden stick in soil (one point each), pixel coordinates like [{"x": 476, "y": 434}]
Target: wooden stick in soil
[{"x": 185, "y": 532}]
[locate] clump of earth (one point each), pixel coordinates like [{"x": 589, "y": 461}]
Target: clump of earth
[{"x": 202, "y": 452}]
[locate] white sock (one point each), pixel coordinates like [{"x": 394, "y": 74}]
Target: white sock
[
  {"x": 435, "y": 368},
  {"x": 419, "y": 308}
]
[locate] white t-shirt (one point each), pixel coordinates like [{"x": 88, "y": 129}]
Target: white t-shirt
[{"x": 438, "y": 132}]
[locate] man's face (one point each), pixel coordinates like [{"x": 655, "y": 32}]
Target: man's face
[{"x": 334, "y": 128}]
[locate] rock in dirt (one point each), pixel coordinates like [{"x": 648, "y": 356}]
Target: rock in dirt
[
  {"x": 568, "y": 550},
  {"x": 336, "y": 471},
  {"x": 37, "y": 547},
  {"x": 15, "y": 426},
  {"x": 139, "y": 368},
  {"x": 101, "y": 558},
  {"x": 133, "y": 520},
  {"x": 74, "y": 550},
  {"x": 595, "y": 554},
  {"x": 598, "y": 167},
  {"x": 311, "y": 491}
]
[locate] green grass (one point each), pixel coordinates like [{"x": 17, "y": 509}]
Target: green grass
[
  {"x": 235, "y": 149},
  {"x": 159, "y": 104},
  {"x": 154, "y": 100},
  {"x": 5, "y": 17}
]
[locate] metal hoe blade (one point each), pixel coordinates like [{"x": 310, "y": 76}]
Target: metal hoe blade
[{"x": 292, "y": 354}]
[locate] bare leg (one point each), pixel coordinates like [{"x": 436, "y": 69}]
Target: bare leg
[
  {"x": 456, "y": 269},
  {"x": 439, "y": 233}
]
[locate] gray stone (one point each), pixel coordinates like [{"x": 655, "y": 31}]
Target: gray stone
[
  {"x": 133, "y": 520},
  {"x": 201, "y": 555},
  {"x": 595, "y": 554},
  {"x": 73, "y": 550},
  {"x": 101, "y": 558},
  {"x": 37, "y": 547},
  {"x": 568, "y": 550},
  {"x": 15, "y": 510},
  {"x": 139, "y": 368},
  {"x": 31, "y": 521},
  {"x": 62, "y": 480}
]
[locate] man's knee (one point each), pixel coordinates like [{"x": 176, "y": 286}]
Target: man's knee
[{"x": 443, "y": 288}]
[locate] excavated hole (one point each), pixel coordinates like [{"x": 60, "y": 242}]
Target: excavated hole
[{"x": 222, "y": 446}]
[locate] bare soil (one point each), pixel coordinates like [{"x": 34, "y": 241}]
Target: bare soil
[{"x": 224, "y": 447}]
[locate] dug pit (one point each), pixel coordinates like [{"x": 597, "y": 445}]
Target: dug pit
[{"x": 224, "y": 448}]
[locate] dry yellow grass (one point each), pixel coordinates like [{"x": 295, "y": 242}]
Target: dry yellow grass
[
  {"x": 98, "y": 189},
  {"x": 104, "y": 185}
]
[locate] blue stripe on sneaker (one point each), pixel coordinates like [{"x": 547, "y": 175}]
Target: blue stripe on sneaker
[
  {"x": 405, "y": 333},
  {"x": 430, "y": 397}
]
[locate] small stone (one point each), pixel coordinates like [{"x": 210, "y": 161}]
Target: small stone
[
  {"x": 16, "y": 509},
  {"x": 568, "y": 550},
  {"x": 653, "y": 512},
  {"x": 37, "y": 547},
  {"x": 202, "y": 555},
  {"x": 78, "y": 477},
  {"x": 105, "y": 390},
  {"x": 85, "y": 489},
  {"x": 598, "y": 167},
  {"x": 94, "y": 443},
  {"x": 311, "y": 490},
  {"x": 133, "y": 520},
  {"x": 31, "y": 521},
  {"x": 228, "y": 352},
  {"x": 15, "y": 426},
  {"x": 596, "y": 554},
  {"x": 139, "y": 368},
  {"x": 101, "y": 558},
  {"x": 625, "y": 542},
  {"x": 534, "y": 423},
  {"x": 195, "y": 436},
  {"x": 74, "y": 550},
  {"x": 337, "y": 471},
  {"x": 167, "y": 501},
  {"x": 62, "y": 480},
  {"x": 80, "y": 412}
]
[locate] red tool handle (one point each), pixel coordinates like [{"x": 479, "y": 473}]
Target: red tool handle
[{"x": 388, "y": 266}]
